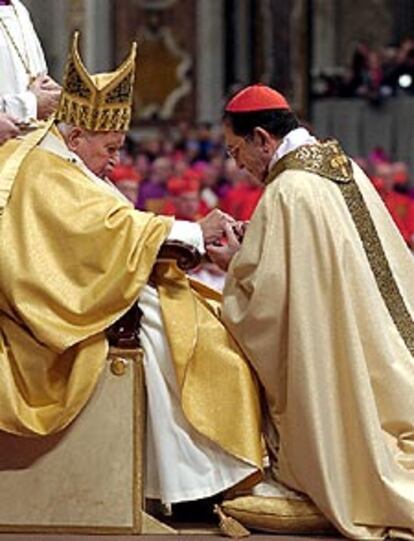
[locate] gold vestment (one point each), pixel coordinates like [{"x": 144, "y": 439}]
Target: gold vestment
[{"x": 73, "y": 259}]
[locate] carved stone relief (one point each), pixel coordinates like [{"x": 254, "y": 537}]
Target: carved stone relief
[
  {"x": 165, "y": 32},
  {"x": 159, "y": 91}
]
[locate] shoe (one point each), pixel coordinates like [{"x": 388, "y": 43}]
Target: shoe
[{"x": 196, "y": 511}]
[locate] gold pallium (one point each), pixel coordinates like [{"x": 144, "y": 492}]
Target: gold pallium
[
  {"x": 325, "y": 159},
  {"x": 100, "y": 102}
]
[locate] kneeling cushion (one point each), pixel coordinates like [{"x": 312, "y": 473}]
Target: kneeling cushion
[{"x": 279, "y": 515}]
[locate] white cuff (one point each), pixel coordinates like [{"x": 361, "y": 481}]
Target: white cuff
[
  {"x": 30, "y": 102},
  {"x": 189, "y": 232},
  {"x": 22, "y": 106}
]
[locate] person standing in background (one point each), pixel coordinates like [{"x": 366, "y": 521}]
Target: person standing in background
[{"x": 26, "y": 91}]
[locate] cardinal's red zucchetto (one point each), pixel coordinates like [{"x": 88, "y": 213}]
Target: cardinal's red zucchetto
[{"x": 256, "y": 98}]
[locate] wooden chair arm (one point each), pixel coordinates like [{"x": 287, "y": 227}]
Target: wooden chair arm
[
  {"x": 124, "y": 333},
  {"x": 186, "y": 256}
]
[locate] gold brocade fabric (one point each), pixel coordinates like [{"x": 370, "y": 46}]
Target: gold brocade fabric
[
  {"x": 73, "y": 259},
  {"x": 16, "y": 153},
  {"x": 304, "y": 303},
  {"x": 278, "y": 514},
  {"x": 325, "y": 159},
  {"x": 219, "y": 395}
]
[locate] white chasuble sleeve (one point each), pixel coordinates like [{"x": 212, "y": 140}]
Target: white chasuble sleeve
[{"x": 15, "y": 98}]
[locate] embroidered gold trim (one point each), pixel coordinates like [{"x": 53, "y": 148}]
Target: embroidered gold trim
[
  {"x": 379, "y": 263},
  {"x": 328, "y": 160}
]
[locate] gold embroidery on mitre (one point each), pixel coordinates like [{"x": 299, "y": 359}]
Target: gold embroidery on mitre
[
  {"x": 326, "y": 159},
  {"x": 100, "y": 102}
]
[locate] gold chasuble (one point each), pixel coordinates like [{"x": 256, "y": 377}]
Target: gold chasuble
[
  {"x": 321, "y": 299},
  {"x": 73, "y": 258}
]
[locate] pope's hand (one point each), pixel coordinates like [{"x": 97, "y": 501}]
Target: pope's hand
[
  {"x": 8, "y": 127},
  {"x": 213, "y": 225},
  {"x": 222, "y": 254}
]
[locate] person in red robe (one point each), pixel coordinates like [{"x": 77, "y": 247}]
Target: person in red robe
[
  {"x": 400, "y": 205},
  {"x": 185, "y": 202},
  {"x": 241, "y": 200},
  {"x": 127, "y": 180}
]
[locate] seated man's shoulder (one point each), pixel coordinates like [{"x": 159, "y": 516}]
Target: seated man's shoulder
[
  {"x": 58, "y": 176},
  {"x": 42, "y": 162}
]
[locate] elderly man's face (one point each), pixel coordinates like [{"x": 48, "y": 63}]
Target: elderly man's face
[
  {"x": 99, "y": 151},
  {"x": 251, "y": 153}
]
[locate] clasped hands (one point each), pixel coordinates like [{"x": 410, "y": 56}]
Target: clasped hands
[
  {"x": 47, "y": 92},
  {"x": 222, "y": 236}
]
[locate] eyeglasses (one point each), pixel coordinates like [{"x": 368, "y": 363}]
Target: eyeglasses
[{"x": 232, "y": 151}]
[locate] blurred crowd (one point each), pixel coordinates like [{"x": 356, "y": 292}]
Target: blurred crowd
[
  {"x": 186, "y": 172},
  {"x": 375, "y": 74},
  {"x": 392, "y": 181}
]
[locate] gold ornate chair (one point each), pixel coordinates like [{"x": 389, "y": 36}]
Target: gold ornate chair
[{"x": 88, "y": 478}]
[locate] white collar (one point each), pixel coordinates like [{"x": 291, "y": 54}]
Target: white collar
[{"x": 293, "y": 140}]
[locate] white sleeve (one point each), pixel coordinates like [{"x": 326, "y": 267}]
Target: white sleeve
[
  {"x": 22, "y": 105},
  {"x": 189, "y": 232}
]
